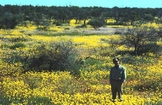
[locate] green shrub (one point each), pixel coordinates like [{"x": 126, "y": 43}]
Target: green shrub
[
  {"x": 56, "y": 56},
  {"x": 4, "y": 100},
  {"x": 18, "y": 39},
  {"x": 60, "y": 56},
  {"x": 58, "y": 23},
  {"x": 4, "y": 45},
  {"x": 39, "y": 100},
  {"x": 17, "y": 45},
  {"x": 96, "y": 23}
]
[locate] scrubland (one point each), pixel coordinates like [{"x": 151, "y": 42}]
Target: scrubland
[{"x": 91, "y": 86}]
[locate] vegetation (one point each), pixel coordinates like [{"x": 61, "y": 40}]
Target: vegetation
[
  {"x": 58, "y": 56},
  {"x": 143, "y": 40},
  {"x": 96, "y": 23},
  {"x": 62, "y": 64},
  {"x": 88, "y": 84},
  {"x": 43, "y": 16}
]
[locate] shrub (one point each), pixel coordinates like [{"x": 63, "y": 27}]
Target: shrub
[
  {"x": 60, "y": 56},
  {"x": 18, "y": 39},
  {"x": 57, "y": 56},
  {"x": 4, "y": 100},
  {"x": 9, "y": 20},
  {"x": 96, "y": 23},
  {"x": 39, "y": 100},
  {"x": 17, "y": 45},
  {"x": 142, "y": 39},
  {"x": 58, "y": 23}
]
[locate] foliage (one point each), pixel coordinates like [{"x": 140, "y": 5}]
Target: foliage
[
  {"x": 91, "y": 87},
  {"x": 59, "y": 56},
  {"x": 17, "y": 45},
  {"x": 8, "y": 21},
  {"x": 49, "y": 57},
  {"x": 39, "y": 100},
  {"x": 42, "y": 16},
  {"x": 42, "y": 22},
  {"x": 142, "y": 39},
  {"x": 18, "y": 39},
  {"x": 96, "y": 23},
  {"x": 4, "y": 100}
]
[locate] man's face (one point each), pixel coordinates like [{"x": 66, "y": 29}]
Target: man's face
[{"x": 116, "y": 62}]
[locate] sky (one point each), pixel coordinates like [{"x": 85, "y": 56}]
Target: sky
[{"x": 87, "y": 3}]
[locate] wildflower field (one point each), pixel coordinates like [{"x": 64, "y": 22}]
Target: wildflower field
[{"x": 91, "y": 86}]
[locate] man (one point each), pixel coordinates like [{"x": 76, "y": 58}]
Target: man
[{"x": 117, "y": 78}]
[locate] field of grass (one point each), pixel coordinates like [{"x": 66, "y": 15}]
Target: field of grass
[{"x": 142, "y": 87}]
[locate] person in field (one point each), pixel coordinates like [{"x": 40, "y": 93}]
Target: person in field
[{"x": 117, "y": 78}]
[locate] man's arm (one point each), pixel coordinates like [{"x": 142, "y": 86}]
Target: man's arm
[
  {"x": 110, "y": 77},
  {"x": 124, "y": 75}
]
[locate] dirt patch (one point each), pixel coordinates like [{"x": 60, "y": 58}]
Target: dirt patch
[
  {"x": 106, "y": 30},
  {"x": 101, "y": 30}
]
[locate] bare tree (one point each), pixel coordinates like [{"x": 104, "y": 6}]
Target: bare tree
[{"x": 142, "y": 39}]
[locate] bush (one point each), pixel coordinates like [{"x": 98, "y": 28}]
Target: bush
[
  {"x": 4, "y": 100},
  {"x": 60, "y": 56},
  {"x": 9, "y": 21},
  {"x": 39, "y": 100},
  {"x": 58, "y": 23},
  {"x": 17, "y": 45},
  {"x": 151, "y": 47},
  {"x": 142, "y": 40},
  {"x": 96, "y": 23},
  {"x": 18, "y": 39}
]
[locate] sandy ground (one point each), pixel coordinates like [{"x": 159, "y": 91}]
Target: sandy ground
[
  {"x": 106, "y": 30},
  {"x": 101, "y": 30}
]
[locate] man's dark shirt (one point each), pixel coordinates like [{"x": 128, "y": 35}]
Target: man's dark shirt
[{"x": 118, "y": 74}]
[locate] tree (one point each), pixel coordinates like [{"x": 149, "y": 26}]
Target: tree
[
  {"x": 41, "y": 21},
  {"x": 63, "y": 14},
  {"x": 96, "y": 23},
  {"x": 142, "y": 39},
  {"x": 96, "y": 11},
  {"x": 8, "y": 21},
  {"x": 84, "y": 15},
  {"x": 148, "y": 17},
  {"x": 75, "y": 10}
]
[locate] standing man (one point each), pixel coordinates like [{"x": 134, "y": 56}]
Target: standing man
[{"x": 117, "y": 78}]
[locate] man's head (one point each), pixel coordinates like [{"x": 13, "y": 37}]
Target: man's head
[{"x": 116, "y": 61}]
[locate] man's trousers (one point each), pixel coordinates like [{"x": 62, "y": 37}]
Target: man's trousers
[{"x": 116, "y": 88}]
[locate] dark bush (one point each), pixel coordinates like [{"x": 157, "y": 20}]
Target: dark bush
[
  {"x": 38, "y": 100},
  {"x": 60, "y": 56},
  {"x": 96, "y": 23},
  {"x": 4, "y": 100},
  {"x": 142, "y": 39},
  {"x": 151, "y": 47},
  {"x": 17, "y": 45},
  {"x": 58, "y": 23},
  {"x": 56, "y": 56},
  {"x": 8, "y": 21},
  {"x": 18, "y": 39}
]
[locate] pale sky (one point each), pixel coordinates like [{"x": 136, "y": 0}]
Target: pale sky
[{"x": 88, "y": 3}]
